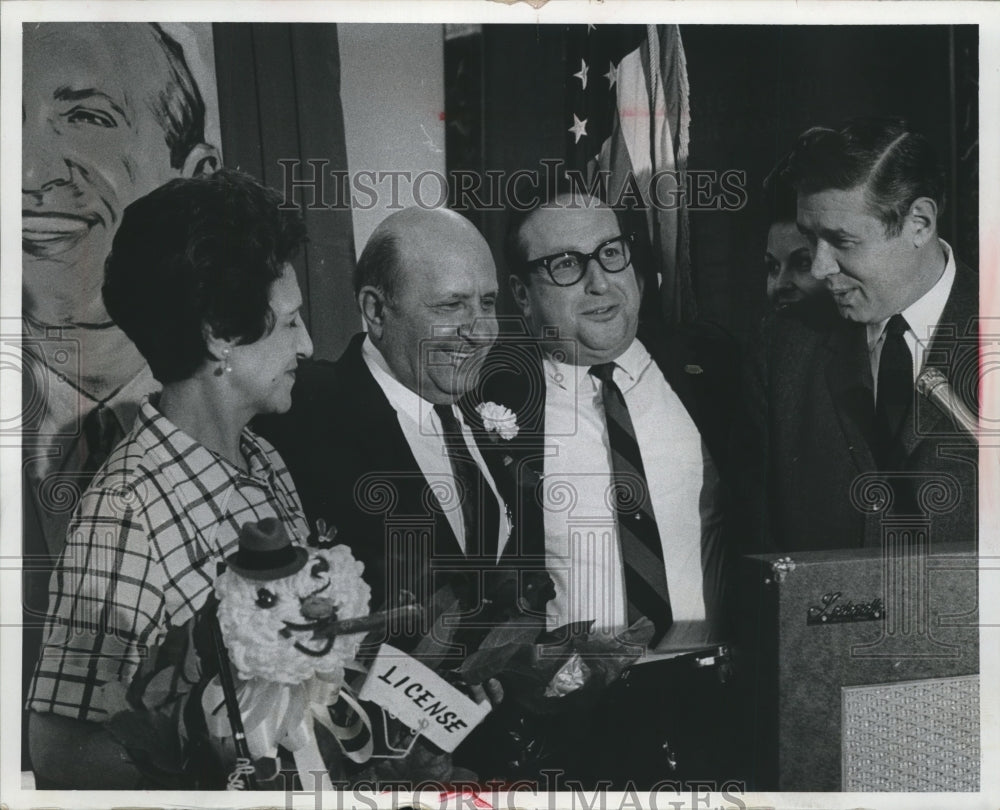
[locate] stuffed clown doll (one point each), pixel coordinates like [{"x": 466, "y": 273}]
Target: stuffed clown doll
[{"x": 289, "y": 619}]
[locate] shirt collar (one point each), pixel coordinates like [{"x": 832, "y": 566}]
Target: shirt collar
[
  {"x": 172, "y": 443},
  {"x": 401, "y": 398},
  {"x": 126, "y": 401},
  {"x": 62, "y": 398},
  {"x": 632, "y": 362},
  {"x": 258, "y": 461},
  {"x": 923, "y": 315}
]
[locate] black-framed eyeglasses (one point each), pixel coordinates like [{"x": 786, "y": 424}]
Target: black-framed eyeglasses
[{"x": 567, "y": 268}]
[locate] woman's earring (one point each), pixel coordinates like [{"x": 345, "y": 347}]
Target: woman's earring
[{"x": 225, "y": 367}]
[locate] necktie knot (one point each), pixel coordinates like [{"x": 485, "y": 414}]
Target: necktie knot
[
  {"x": 101, "y": 432},
  {"x": 897, "y": 325},
  {"x": 605, "y": 372}
]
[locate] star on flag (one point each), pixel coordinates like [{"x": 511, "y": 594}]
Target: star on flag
[
  {"x": 631, "y": 127},
  {"x": 592, "y": 102},
  {"x": 612, "y": 75}
]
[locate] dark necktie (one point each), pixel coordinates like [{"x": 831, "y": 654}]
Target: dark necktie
[
  {"x": 480, "y": 512},
  {"x": 101, "y": 432},
  {"x": 641, "y": 550},
  {"x": 895, "y": 389}
]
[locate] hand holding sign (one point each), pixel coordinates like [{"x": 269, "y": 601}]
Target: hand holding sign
[{"x": 421, "y": 699}]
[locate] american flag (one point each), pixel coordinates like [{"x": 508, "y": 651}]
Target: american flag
[{"x": 628, "y": 114}]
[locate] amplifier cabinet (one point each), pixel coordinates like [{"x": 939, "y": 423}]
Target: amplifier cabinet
[{"x": 861, "y": 668}]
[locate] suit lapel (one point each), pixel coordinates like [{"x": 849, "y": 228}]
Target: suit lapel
[
  {"x": 953, "y": 349},
  {"x": 497, "y": 453},
  {"x": 849, "y": 378},
  {"x": 694, "y": 380},
  {"x": 849, "y": 373},
  {"x": 520, "y": 387},
  {"x": 514, "y": 377},
  {"x": 377, "y": 425},
  {"x": 386, "y": 449},
  {"x": 671, "y": 358}
]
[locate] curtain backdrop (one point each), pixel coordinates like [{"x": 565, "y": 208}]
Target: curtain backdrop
[{"x": 279, "y": 100}]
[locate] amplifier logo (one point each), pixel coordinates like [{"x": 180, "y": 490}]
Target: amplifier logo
[{"x": 833, "y": 611}]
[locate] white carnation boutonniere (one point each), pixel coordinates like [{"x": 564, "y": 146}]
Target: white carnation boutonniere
[{"x": 499, "y": 420}]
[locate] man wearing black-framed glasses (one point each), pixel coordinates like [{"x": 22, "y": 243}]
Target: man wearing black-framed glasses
[
  {"x": 568, "y": 267},
  {"x": 590, "y": 297},
  {"x": 622, "y": 485}
]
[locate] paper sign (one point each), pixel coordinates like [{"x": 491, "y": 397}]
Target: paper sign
[{"x": 423, "y": 701}]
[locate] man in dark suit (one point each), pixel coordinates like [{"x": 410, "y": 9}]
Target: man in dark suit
[
  {"x": 839, "y": 440},
  {"x": 379, "y": 450},
  {"x": 617, "y": 458}
]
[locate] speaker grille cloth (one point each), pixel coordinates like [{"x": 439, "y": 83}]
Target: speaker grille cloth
[{"x": 912, "y": 736}]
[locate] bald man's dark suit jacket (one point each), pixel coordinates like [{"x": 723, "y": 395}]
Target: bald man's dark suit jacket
[
  {"x": 354, "y": 469},
  {"x": 812, "y": 482}
]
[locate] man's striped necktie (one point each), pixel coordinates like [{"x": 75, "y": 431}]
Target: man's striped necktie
[{"x": 639, "y": 539}]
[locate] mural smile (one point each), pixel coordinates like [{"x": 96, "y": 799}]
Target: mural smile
[{"x": 51, "y": 234}]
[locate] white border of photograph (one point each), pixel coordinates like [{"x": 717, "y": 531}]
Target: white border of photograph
[{"x": 987, "y": 15}]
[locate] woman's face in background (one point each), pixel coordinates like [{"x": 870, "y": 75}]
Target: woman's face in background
[
  {"x": 263, "y": 372},
  {"x": 788, "y": 264}
]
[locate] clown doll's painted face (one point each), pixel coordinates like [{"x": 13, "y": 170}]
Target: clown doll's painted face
[{"x": 267, "y": 624}]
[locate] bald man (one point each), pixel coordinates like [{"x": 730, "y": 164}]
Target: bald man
[{"x": 378, "y": 446}]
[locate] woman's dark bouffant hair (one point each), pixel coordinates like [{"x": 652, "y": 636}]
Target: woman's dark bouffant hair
[{"x": 197, "y": 253}]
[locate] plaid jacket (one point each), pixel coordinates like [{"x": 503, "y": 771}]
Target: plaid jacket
[{"x": 141, "y": 556}]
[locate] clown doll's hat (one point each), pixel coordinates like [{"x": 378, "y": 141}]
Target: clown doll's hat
[{"x": 265, "y": 552}]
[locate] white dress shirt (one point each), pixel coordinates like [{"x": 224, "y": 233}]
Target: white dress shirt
[
  {"x": 922, "y": 316},
  {"x": 581, "y": 542},
  {"x": 422, "y": 429}
]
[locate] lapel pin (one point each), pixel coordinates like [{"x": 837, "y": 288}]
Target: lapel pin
[{"x": 693, "y": 368}]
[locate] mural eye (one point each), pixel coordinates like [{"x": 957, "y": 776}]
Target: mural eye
[
  {"x": 266, "y": 599},
  {"x": 320, "y": 567}
]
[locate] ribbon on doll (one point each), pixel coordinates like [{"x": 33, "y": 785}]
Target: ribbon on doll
[{"x": 283, "y": 714}]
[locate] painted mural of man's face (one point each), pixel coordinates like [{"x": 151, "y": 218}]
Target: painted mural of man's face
[{"x": 92, "y": 143}]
